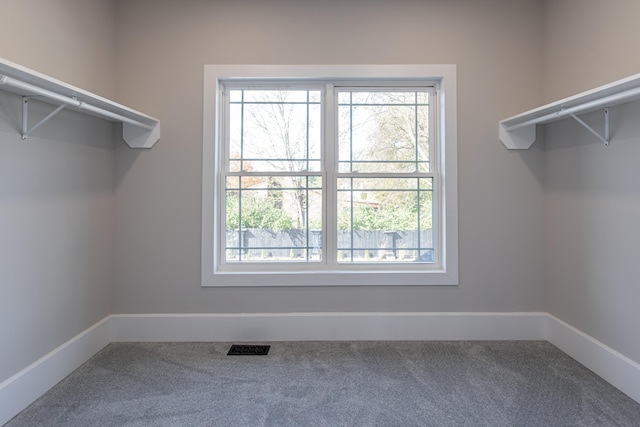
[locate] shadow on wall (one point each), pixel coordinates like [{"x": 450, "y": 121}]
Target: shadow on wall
[
  {"x": 67, "y": 126},
  {"x": 70, "y": 154},
  {"x": 126, "y": 156},
  {"x": 576, "y": 161}
]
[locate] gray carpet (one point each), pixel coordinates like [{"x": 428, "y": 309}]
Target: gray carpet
[{"x": 333, "y": 384}]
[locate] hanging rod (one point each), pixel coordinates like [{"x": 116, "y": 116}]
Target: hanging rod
[
  {"x": 613, "y": 99},
  {"x": 35, "y": 90},
  {"x": 138, "y": 130},
  {"x": 519, "y": 132}
]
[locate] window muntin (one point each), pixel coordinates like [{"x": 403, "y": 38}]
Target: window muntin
[
  {"x": 273, "y": 186},
  {"x": 257, "y": 230},
  {"x": 384, "y": 180},
  {"x": 383, "y": 130},
  {"x": 275, "y": 130},
  {"x": 385, "y": 220},
  {"x": 275, "y": 194}
]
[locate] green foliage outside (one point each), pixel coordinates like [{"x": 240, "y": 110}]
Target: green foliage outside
[
  {"x": 264, "y": 213},
  {"x": 390, "y": 219},
  {"x": 256, "y": 213}
]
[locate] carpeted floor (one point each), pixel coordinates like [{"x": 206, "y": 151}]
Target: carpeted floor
[{"x": 515, "y": 383}]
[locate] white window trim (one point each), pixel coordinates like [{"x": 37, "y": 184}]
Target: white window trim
[{"x": 311, "y": 275}]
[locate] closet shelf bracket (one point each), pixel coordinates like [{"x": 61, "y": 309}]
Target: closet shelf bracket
[
  {"x": 604, "y": 138},
  {"x": 25, "y": 117}
]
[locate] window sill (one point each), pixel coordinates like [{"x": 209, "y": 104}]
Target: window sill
[{"x": 311, "y": 277}]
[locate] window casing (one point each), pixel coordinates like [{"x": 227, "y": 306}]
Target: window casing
[{"x": 302, "y": 165}]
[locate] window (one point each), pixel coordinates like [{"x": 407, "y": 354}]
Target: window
[{"x": 329, "y": 175}]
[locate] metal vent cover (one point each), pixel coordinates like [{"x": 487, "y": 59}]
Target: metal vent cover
[{"x": 248, "y": 350}]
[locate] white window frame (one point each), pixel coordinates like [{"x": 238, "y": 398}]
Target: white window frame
[{"x": 445, "y": 272}]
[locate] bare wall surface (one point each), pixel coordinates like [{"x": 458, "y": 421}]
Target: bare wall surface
[
  {"x": 56, "y": 223},
  {"x": 588, "y": 43},
  {"x": 70, "y": 40},
  {"x": 162, "y": 47},
  {"x": 592, "y": 205},
  {"x": 592, "y": 196},
  {"x": 56, "y": 188}
]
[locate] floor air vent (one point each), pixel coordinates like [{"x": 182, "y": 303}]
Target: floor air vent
[{"x": 248, "y": 350}]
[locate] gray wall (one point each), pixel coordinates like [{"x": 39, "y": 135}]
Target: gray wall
[
  {"x": 70, "y": 40},
  {"x": 592, "y": 192},
  {"x": 497, "y": 46},
  {"x": 588, "y": 43},
  {"x": 56, "y": 188}
]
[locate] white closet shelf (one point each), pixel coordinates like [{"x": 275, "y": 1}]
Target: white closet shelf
[
  {"x": 519, "y": 132},
  {"x": 138, "y": 129}
]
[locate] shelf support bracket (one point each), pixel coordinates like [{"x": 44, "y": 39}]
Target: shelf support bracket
[
  {"x": 606, "y": 138},
  {"x": 25, "y": 117}
]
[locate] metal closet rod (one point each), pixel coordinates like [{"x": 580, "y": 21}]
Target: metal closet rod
[
  {"x": 601, "y": 102},
  {"x": 35, "y": 90}
]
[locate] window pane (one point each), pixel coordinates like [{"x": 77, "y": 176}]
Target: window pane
[
  {"x": 380, "y": 97},
  {"x": 276, "y": 96},
  {"x": 384, "y": 219},
  {"x": 235, "y": 132},
  {"x": 274, "y": 130},
  {"x": 277, "y": 217},
  {"x": 383, "y": 131},
  {"x": 273, "y": 218}
]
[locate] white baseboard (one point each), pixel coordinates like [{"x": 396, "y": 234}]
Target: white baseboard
[
  {"x": 329, "y": 326},
  {"x": 23, "y": 388},
  {"x": 614, "y": 367}
]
